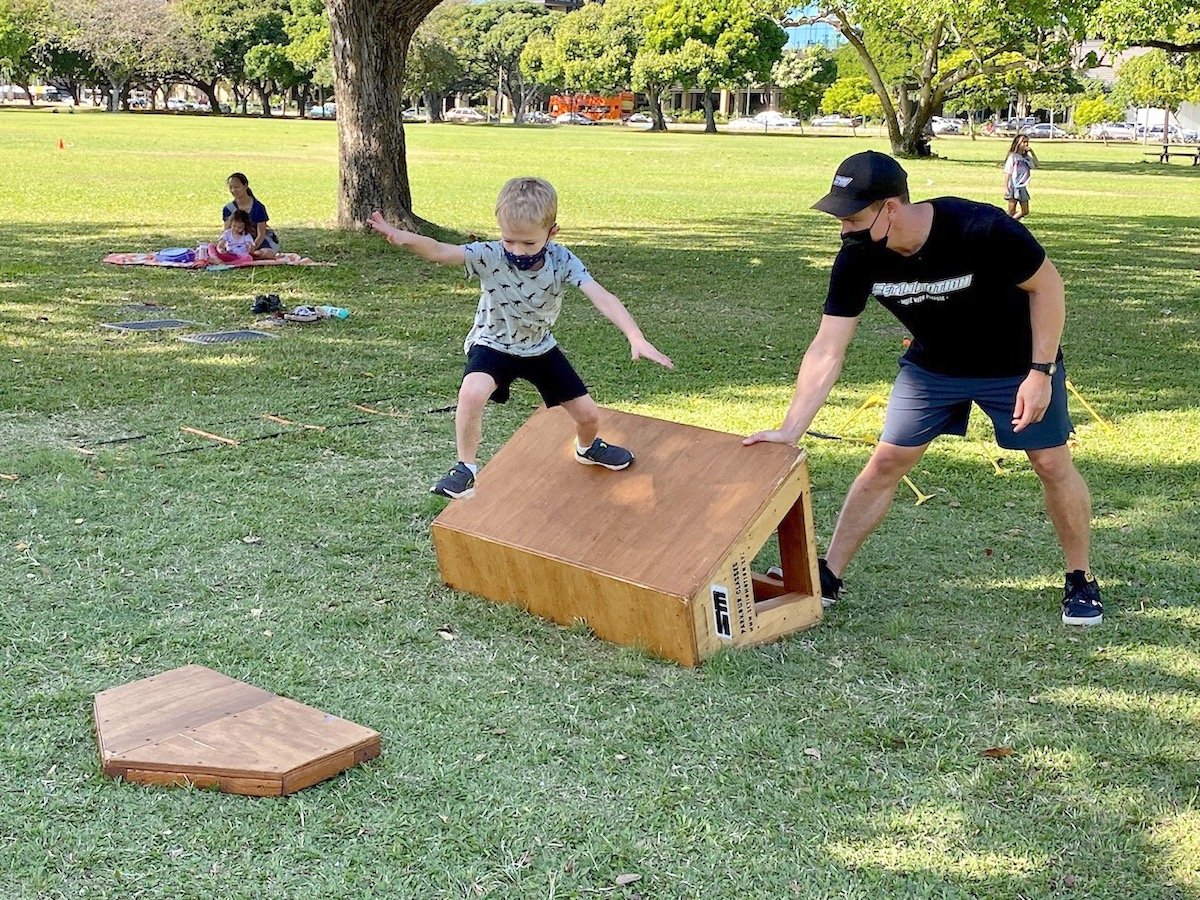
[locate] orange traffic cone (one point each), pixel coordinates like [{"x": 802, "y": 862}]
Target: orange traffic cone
[{"x": 61, "y": 146}]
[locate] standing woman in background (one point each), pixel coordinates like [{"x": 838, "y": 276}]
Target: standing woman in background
[
  {"x": 266, "y": 242},
  {"x": 1018, "y": 166}
]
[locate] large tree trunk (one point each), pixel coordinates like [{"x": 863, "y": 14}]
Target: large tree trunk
[
  {"x": 370, "y": 50},
  {"x": 433, "y": 105},
  {"x": 654, "y": 97},
  {"x": 710, "y": 123}
]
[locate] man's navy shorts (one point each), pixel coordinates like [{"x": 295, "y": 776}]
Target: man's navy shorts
[
  {"x": 550, "y": 372},
  {"x": 924, "y": 405}
]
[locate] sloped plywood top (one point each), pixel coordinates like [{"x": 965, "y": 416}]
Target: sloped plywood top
[
  {"x": 193, "y": 720},
  {"x": 665, "y": 522}
]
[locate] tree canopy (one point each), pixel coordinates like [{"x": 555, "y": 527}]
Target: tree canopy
[
  {"x": 1171, "y": 25},
  {"x": 917, "y": 52},
  {"x": 709, "y": 44}
]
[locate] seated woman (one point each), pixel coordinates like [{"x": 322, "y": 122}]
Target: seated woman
[{"x": 266, "y": 243}]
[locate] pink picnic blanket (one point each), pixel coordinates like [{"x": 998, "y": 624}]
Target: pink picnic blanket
[{"x": 149, "y": 259}]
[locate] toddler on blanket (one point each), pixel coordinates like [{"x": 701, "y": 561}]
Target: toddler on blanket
[{"x": 234, "y": 245}]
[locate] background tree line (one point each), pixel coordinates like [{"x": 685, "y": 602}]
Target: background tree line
[{"x": 903, "y": 60}]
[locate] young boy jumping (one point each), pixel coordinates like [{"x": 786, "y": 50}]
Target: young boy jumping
[{"x": 522, "y": 276}]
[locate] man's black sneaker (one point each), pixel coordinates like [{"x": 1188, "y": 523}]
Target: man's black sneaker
[
  {"x": 457, "y": 484},
  {"x": 831, "y": 585},
  {"x": 602, "y": 454},
  {"x": 1081, "y": 600}
]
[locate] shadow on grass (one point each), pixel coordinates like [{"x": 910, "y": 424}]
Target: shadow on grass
[
  {"x": 735, "y": 301},
  {"x": 1125, "y": 166}
]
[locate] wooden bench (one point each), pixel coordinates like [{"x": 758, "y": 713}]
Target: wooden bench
[{"x": 1164, "y": 153}]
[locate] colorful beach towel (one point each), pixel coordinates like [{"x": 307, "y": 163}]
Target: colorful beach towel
[{"x": 154, "y": 259}]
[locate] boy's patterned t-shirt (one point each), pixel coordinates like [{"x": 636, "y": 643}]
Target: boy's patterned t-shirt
[{"x": 517, "y": 309}]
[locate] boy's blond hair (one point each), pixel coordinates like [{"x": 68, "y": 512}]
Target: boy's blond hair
[{"x": 530, "y": 201}]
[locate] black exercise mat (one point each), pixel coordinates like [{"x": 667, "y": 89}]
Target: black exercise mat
[
  {"x": 148, "y": 325},
  {"x": 225, "y": 337}
]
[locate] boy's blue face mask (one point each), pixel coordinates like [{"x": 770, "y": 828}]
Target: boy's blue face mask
[{"x": 525, "y": 263}]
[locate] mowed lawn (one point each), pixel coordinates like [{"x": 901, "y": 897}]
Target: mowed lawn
[{"x": 521, "y": 759}]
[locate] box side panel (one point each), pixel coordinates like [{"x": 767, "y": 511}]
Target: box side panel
[{"x": 615, "y": 610}]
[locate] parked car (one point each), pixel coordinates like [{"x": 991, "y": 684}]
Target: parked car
[
  {"x": 1045, "y": 130},
  {"x": 464, "y": 114},
  {"x": 772, "y": 118},
  {"x": 1113, "y": 131},
  {"x": 639, "y": 119},
  {"x": 537, "y": 117},
  {"x": 412, "y": 114},
  {"x": 1175, "y": 134},
  {"x": 835, "y": 121},
  {"x": 1017, "y": 126},
  {"x": 573, "y": 118},
  {"x": 942, "y": 125}
]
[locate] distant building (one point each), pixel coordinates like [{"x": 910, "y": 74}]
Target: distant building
[
  {"x": 1109, "y": 66},
  {"x": 817, "y": 35}
]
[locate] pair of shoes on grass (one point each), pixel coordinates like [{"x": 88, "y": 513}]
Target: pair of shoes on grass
[
  {"x": 266, "y": 303},
  {"x": 459, "y": 482}
]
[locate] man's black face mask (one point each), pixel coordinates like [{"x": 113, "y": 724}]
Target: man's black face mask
[{"x": 862, "y": 237}]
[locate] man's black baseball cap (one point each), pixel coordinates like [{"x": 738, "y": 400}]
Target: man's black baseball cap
[{"x": 862, "y": 179}]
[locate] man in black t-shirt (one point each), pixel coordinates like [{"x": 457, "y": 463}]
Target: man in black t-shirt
[{"x": 986, "y": 310}]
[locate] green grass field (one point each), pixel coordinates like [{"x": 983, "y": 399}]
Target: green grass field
[{"x": 522, "y": 760}]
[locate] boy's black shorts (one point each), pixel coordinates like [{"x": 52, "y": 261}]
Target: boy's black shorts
[{"x": 551, "y": 373}]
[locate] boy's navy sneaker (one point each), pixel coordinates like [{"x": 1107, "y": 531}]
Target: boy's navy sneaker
[
  {"x": 602, "y": 454},
  {"x": 1081, "y": 600},
  {"x": 831, "y": 585},
  {"x": 457, "y": 484}
]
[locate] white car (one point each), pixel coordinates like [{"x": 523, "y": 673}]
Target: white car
[
  {"x": 1113, "y": 131},
  {"x": 1045, "y": 130},
  {"x": 836, "y": 121},
  {"x": 464, "y": 114},
  {"x": 573, "y": 118},
  {"x": 537, "y": 117},
  {"x": 942, "y": 125},
  {"x": 773, "y": 118}
]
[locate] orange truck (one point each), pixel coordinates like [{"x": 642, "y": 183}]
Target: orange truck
[{"x": 597, "y": 107}]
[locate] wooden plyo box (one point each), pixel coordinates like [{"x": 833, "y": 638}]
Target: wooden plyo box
[
  {"x": 656, "y": 556},
  {"x": 195, "y": 726}
]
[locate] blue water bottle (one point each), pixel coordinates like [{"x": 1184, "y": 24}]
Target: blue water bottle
[{"x": 333, "y": 312}]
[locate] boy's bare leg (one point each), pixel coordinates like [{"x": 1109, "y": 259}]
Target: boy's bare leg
[
  {"x": 868, "y": 501},
  {"x": 473, "y": 396},
  {"x": 1012, "y": 208},
  {"x": 1024, "y": 210},
  {"x": 586, "y": 414}
]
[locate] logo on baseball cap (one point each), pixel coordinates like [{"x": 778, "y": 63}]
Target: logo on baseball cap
[{"x": 862, "y": 179}]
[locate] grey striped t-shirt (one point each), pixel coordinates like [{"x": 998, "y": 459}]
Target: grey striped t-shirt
[{"x": 517, "y": 309}]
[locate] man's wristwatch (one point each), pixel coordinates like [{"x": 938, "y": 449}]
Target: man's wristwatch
[{"x": 1046, "y": 368}]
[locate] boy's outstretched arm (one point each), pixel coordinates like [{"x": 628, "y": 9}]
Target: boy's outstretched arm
[
  {"x": 424, "y": 247},
  {"x": 614, "y": 310}
]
